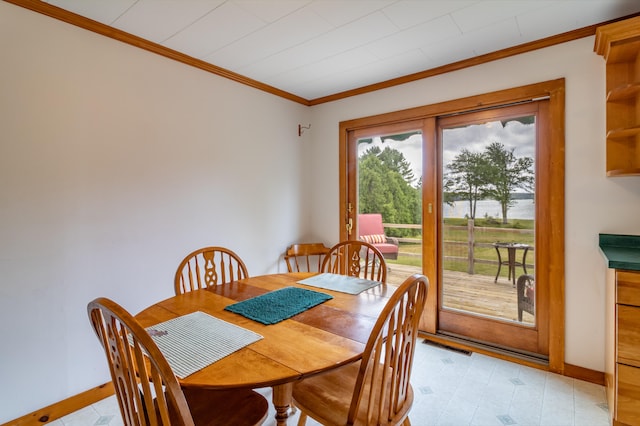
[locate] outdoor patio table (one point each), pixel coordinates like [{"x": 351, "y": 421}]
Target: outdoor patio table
[
  {"x": 323, "y": 337},
  {"x": 511, "y": 261}
]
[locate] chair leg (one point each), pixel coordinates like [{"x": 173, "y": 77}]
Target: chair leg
[
  {"x": 303, "y": 419},
  {"x": 406, "y": 422}
]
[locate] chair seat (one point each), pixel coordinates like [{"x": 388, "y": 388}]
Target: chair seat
[
  {"x": 387, "y": 249},
  {"x": 328, "y": 396},
  {"x": 220, "y": 407}
]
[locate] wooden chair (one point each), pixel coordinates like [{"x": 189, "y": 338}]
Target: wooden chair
[
  {"x": 147, "y": 390},
  {"x": 207, "y": 267},
  {"x": 526, "y": 291},
  {"x": 357, "y": 259},
  {"x": 375, "y": 390},
  {"x": 305, "y": 257}
]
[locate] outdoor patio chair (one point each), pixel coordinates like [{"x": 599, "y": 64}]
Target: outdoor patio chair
[
  {"x": 526, "y": 291},
  {"x": 371, "y": 230}
]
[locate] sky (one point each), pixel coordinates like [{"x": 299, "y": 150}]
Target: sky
[{"x": 514, "y": 135}]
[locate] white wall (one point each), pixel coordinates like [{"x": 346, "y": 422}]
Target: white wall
[
  {"x": 594, "y": 203},
  {"x": 114, "y": 164}
]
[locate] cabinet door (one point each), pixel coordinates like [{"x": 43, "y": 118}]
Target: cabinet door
[
  {"x": 628, "y": 288},
  {"x": 628, "y": 410},
  {"x": 629, "y": 335}
]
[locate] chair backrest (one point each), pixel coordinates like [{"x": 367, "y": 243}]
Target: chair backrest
[
  {"x": 525, "y": 289},
  {"x": 385, "y": 371},
  {"x": 370, "y": 224},
  {"x": 357, "y": 259},
  {"x": 306, "y": 257},
  {"x": 147, "y": 390},
  {"x": 207, "y": 267}
]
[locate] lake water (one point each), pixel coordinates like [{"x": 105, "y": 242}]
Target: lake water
[{"x": 522, "y": 209}]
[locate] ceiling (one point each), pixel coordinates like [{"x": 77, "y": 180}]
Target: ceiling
[{"x": 317, "y": 48}]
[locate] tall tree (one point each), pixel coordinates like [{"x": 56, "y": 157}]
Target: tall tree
[
  {"x": 395, "y": 160},
  {"x": 467, "y": 179},
  {"x": 383, "y": 188},
  {"x": 507, "y": 174}
]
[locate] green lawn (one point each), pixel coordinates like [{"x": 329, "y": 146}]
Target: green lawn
[{"x": 487, "y": 231}]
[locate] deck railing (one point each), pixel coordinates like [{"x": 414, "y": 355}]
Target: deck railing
[{"x": 470, "y": 244}]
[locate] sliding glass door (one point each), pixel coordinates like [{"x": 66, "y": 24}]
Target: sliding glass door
[
  {"x": 488, "y": 228},
  {"x": 472, "y": 193}
]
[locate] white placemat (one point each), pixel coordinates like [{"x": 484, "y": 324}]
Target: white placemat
[
  {"x": 337, "y": 282},
  {"x": 193, "y": 341}
]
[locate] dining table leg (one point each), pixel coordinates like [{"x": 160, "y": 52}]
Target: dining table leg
[{"x": 282, "y": 402}]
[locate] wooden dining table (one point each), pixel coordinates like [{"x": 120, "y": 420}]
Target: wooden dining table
[{"x": 321, "y": 338}]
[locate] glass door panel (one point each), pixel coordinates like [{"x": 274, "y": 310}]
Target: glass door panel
[
  {"x": 488, "y": 215},
  {"x": 488, "y": 228},
  {"x": 390, "y": 197}
]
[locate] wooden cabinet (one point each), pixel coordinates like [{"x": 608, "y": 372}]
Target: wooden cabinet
[
  {"x": 622, "y": 375},
  {"x": 619, "y": 44}
]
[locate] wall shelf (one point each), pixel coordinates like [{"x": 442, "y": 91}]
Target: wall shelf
[
  {"x": 623, "y": 133},
  {"x": 625, "y": 92},
  {"x": 619, "y": 44}
]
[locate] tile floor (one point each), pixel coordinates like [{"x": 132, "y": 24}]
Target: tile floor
[{"x": 455, "y": 389}]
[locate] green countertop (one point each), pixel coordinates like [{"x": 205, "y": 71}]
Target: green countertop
[{"x": 621, "y": 251}]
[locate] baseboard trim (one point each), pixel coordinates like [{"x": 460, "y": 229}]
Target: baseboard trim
[
  {"x": 585, "y": 374},
  {"x": 64, "y": 407}
]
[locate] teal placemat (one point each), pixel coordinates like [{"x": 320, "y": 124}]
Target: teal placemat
[
  {"x": 342, "y": 283},
  {"x": 278, "y": 305}
]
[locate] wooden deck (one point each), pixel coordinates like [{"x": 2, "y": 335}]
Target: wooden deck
[{"x": 473, "y": 293}]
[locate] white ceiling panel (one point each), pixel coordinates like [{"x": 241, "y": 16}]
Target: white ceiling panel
[
  {"x": 357, "y": 77},
  {"x": 157, "y": 20},
  {"x": 271, "y": 10},
  {"x": 218, "y": 28},
  {"x": 498, "y": 36},
  {"x": 354, "y": 34},
  {"x": 406, "y": 14},
  {"x": 339, "y": 40},
  {"x": 447, "y": 51},
  {"x": 99, "y": 10},
  {"x": 435, "y": 30},
  {"x": 408, "y": 62},
  {"x": 563, "y": 16},
  {"x": 490, "y": 12},
  {"x": 343, "y": 12},
  {"x": 293, "y": 29},
  {"x": 334, "y": 65},
  {"x": 316, "y": 48}
]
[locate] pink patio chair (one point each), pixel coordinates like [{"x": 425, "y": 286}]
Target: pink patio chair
[{"x": 371, "y": 230}]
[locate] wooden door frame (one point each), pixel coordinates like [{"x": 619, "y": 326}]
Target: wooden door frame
[
  {"x": 532, "y": 340},
  {"x": 551, "y": 247}
]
